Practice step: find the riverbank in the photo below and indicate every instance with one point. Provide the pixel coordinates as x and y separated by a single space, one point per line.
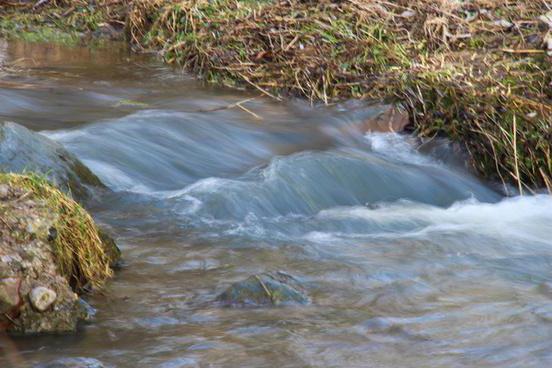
478 73
405 258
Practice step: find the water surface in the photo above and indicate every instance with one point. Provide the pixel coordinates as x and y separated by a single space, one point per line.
408 259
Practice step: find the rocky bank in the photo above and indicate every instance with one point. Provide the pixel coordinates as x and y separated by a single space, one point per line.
50 248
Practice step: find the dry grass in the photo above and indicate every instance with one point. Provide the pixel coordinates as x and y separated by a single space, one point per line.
77 247
476 71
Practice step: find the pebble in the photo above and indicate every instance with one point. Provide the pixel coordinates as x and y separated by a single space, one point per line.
4 191
408 13
41 298
503 23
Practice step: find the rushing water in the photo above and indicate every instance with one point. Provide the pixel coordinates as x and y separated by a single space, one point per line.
409 261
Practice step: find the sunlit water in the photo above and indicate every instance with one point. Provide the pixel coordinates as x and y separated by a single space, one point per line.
409 260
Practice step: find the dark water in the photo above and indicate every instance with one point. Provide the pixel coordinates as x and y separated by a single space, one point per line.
409 261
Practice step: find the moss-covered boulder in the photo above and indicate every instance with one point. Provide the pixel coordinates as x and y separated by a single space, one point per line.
50 250
267 289
22 150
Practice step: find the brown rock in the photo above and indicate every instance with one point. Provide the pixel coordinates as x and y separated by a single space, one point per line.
9 294
392 119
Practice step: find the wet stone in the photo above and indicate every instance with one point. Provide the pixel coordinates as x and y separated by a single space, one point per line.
87 311
22 150
267 289
79 362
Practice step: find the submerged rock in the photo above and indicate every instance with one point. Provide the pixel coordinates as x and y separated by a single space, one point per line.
79 362
391 118
88 311
22 150
267 289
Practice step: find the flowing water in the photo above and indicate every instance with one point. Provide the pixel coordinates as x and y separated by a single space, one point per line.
409 260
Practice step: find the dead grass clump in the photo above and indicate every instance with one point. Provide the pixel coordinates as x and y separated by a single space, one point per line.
499 109
77 246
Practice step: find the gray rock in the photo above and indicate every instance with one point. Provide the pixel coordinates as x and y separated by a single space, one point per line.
79 362
22 150
42 298
267 289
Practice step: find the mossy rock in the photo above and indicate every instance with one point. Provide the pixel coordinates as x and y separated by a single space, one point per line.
51 250
22 150
267 289
83 253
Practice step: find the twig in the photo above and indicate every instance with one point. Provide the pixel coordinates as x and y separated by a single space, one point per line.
40 3
229 106
249 111
265 288
6 223
259 88
24 195
516 156
523 51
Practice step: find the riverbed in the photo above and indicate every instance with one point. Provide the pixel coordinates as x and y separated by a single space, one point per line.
408 259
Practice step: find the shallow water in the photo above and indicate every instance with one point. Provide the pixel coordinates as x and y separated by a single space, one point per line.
409 260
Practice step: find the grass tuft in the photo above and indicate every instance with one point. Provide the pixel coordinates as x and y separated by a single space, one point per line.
78 248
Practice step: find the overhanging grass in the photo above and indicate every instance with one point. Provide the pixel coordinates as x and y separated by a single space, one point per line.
78 247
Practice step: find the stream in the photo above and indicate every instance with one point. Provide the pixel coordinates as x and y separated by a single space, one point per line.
409 260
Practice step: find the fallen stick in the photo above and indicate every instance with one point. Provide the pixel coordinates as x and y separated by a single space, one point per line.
523 51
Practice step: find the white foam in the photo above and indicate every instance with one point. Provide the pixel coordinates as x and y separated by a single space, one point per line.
398 147
528 217
64 135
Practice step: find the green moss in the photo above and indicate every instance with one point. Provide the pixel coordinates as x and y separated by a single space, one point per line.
57 24
26 28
